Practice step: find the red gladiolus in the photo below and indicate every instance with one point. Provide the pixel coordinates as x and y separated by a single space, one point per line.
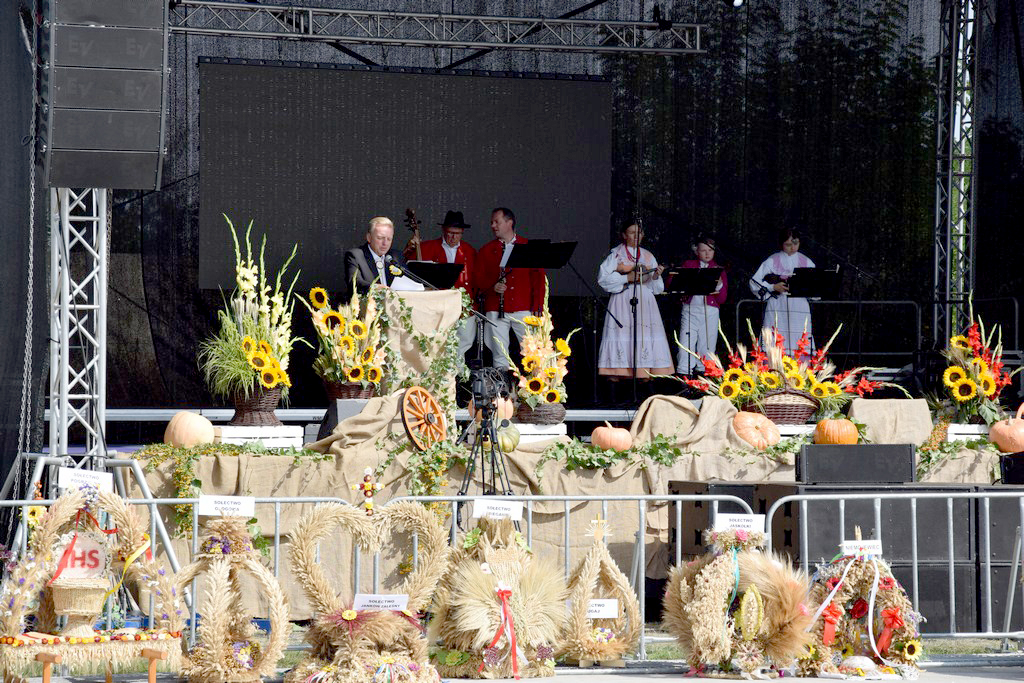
711 368
974 337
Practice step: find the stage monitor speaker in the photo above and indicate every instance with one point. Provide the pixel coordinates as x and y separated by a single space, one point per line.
856 464
103 93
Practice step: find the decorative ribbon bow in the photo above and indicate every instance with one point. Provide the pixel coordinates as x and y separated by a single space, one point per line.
892 619
832 614
504 593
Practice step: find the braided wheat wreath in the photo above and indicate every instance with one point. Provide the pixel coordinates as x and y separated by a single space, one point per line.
354 647
227 651
24 592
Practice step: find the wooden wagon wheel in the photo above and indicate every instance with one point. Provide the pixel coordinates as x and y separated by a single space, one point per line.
423 418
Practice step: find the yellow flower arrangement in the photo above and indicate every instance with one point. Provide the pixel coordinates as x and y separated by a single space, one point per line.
819 390
979 365
733 374
259 360
770 379
351 339
729 390
965 390
543 363
960 342
265 347
318 297
248 345
796 381
987 384
746 385
953 375
269 378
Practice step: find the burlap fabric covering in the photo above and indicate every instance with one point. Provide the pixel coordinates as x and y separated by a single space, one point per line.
714 451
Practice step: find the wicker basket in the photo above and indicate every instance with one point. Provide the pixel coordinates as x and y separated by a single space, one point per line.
786 406
258 409
336 390
543 414
81 601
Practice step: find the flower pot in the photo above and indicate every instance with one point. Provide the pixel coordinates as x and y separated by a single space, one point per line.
543 414
336 390
257 410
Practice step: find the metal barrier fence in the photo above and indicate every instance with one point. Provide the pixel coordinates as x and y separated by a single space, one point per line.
937 540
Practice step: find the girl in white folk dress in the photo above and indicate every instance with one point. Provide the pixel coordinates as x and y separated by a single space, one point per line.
624 266
790 316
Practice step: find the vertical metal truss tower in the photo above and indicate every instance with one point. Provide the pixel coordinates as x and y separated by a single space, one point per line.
960 28
78 317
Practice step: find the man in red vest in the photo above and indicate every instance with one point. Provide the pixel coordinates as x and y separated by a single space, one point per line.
451 249
510 294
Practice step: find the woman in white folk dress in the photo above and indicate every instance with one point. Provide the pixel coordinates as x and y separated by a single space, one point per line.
629 268
790 316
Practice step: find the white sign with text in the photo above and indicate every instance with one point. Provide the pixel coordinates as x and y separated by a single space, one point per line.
868 546
732 522
227 506
496 508
72 478
87 560
603 609
381 601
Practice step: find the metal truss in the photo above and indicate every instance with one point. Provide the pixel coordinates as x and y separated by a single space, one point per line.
78 317
434 30
955 160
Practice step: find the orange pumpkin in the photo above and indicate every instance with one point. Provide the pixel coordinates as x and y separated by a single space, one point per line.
840 431
504 409
614 438
186 430
756 429
1008 434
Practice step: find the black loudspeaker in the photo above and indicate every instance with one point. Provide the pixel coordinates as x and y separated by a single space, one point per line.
102 88
823 522
856 464
337 410
1004 516
696 515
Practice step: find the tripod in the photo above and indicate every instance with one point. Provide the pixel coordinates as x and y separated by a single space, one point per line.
485 452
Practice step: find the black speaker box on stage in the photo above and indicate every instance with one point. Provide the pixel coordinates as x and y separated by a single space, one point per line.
856 464
102 87
823 519
933 592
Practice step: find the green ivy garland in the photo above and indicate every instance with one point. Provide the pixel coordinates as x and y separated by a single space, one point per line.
660 450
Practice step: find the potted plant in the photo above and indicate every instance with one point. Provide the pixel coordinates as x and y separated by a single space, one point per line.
247 360
352 346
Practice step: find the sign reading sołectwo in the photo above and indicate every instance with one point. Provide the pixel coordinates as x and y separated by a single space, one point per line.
72 478
603 609
496 508
381 601
227 506
732 522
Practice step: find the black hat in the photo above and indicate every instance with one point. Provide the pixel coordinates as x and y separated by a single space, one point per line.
453 219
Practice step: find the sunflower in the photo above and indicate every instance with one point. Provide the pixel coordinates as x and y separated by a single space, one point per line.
953 375
979 365
848 650
354 373
960 342
819 390
746 384
987 384
259 360
795 381
553 396
530 363
550 373
729 390
269 378
318 297
348 344
334 321
965 390
733 375
789 365
248 345
366 356
912 649
266 348
535 385
357 328
562 347
33 514
374 374
532 321
832 388
770 379
284 378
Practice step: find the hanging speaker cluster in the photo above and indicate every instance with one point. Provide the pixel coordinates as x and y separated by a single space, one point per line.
102 89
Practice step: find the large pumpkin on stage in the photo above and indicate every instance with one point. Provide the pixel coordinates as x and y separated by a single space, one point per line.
186 430
1008 435
756 429
840 431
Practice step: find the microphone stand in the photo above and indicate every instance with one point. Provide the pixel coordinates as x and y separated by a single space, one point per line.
607 311
634 301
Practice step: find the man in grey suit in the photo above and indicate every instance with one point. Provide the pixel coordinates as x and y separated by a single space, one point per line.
370 262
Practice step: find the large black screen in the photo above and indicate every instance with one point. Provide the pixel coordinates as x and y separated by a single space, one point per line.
312 153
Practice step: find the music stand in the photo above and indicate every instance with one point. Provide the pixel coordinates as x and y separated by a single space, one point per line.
692 281
541 253
438 275
814 283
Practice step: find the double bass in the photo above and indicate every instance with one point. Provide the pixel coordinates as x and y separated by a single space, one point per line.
414 226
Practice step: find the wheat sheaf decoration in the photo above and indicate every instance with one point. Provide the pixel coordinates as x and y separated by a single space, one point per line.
227 649
499 611
364 646
604 640
737 610
37 586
